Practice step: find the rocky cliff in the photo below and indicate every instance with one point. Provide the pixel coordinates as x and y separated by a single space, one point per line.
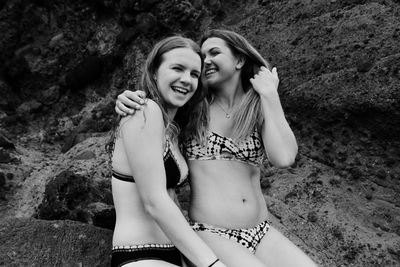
63 63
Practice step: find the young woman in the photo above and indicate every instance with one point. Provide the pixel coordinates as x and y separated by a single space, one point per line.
150 229
245 125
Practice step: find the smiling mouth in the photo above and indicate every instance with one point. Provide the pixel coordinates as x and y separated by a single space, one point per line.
210 71
180 90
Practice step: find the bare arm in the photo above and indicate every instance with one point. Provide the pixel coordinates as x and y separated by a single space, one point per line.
143 142
279 140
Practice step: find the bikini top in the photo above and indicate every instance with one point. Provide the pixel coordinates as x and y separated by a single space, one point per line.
218 147
176 169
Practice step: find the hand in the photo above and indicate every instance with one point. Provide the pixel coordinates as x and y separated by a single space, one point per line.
265 81
129 101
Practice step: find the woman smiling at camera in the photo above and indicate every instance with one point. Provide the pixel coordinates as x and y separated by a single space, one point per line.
147 165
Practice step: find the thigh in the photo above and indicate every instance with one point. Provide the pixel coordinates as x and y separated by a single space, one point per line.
275 250
149 263
230 252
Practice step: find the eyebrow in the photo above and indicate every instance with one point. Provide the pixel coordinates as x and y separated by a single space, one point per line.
214 48
183 66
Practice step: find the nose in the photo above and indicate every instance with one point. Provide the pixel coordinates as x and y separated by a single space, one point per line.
185 77
207 60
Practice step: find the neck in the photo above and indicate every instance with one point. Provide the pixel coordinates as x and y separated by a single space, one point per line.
229 92
171 112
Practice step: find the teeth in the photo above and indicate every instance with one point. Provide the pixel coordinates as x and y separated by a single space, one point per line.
180 90
210 71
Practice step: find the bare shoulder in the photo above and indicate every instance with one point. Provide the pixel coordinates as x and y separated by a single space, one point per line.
152 107
149 116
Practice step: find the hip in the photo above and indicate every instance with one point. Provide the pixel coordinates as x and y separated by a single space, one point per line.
135 232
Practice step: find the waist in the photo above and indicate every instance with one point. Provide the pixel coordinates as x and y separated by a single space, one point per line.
228 215
132 232
133 224
230 199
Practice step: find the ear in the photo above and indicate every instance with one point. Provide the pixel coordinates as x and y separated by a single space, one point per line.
241 60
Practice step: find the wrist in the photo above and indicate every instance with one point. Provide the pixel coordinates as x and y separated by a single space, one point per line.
270 101
270 95
213 263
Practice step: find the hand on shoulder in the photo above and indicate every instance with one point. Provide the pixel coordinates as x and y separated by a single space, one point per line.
129 101
150 115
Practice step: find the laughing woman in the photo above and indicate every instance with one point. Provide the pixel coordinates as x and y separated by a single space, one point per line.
150 229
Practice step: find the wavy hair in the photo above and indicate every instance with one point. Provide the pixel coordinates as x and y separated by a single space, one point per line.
248 114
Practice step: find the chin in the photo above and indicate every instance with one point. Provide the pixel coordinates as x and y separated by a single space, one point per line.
178 104
210 82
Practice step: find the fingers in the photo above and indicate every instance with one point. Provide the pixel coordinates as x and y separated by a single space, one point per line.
275 72
129 101
137 99
265 75
141 94
119 111
122 109
136 96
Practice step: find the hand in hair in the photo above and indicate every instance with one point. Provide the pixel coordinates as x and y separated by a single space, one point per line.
265 82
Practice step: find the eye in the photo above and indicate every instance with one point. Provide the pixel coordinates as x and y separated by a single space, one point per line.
177 68
214 52
195 75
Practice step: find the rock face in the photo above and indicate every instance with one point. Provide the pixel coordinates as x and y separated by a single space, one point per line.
31 242
63 63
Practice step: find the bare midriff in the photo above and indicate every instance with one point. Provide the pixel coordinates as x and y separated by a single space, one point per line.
134 226
226 194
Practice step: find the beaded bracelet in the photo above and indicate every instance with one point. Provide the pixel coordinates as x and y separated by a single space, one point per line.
217 260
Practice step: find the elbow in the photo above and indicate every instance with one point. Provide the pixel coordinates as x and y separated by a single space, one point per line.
155 204
152 206
285 161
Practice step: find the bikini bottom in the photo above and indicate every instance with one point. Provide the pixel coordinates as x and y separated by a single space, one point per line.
249 238
121 255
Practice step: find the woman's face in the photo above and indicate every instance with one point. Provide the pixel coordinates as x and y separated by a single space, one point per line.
219 62
178 76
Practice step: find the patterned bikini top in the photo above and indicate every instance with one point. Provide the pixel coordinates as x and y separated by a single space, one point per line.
176 169
217 147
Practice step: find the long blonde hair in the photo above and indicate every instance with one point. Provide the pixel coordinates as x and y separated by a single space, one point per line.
248 115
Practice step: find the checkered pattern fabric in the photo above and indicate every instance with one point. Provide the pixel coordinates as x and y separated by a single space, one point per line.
249 238
250 150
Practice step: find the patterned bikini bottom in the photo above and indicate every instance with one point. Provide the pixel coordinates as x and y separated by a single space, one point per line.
249 238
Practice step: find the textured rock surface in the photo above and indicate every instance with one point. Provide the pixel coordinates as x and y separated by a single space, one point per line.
31 242
63 63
